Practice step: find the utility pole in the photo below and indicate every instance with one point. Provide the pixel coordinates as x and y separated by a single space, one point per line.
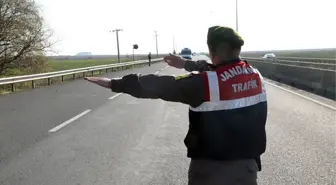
237 15
157 51
117 30
173 43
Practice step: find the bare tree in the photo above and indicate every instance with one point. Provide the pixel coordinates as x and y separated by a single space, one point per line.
22 35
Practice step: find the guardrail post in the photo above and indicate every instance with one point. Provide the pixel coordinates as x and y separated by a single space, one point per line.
83 74
13 87
62 78
49 81
92 73
33 84
322 84
73 76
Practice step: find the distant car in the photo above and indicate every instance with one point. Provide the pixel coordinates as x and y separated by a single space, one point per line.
268 56
186 53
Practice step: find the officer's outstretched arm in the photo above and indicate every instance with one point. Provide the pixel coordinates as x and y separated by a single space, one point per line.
186 89
200 66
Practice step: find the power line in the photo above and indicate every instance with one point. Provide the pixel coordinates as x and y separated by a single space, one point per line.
117 30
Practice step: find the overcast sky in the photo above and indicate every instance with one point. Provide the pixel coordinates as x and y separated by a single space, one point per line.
84 25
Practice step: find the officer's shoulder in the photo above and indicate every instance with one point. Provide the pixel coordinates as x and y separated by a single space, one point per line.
187 75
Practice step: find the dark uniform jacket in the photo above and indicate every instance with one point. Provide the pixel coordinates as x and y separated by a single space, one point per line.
214 133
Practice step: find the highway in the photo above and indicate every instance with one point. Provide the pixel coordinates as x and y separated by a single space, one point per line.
77 133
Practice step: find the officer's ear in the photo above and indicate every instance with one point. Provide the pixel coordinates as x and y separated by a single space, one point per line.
214 58
211 52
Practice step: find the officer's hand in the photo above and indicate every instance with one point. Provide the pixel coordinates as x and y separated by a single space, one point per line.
175 61
101 81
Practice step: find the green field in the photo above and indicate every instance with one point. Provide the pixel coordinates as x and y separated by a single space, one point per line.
59 65
329 53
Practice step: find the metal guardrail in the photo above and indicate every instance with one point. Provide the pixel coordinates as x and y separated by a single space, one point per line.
318 60
34 77
315 80
317 65
300 59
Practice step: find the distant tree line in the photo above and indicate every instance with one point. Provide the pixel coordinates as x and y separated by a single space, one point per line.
24 40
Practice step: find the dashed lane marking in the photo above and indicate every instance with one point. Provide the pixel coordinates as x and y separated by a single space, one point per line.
112 97
69 121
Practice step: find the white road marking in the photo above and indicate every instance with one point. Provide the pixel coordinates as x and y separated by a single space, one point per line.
161 69
141 141
69 121
305 97
112 97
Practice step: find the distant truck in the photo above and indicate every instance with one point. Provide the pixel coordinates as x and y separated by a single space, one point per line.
186 53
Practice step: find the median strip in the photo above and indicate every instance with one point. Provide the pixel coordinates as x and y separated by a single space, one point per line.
302 96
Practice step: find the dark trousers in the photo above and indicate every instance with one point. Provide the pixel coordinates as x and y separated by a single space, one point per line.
207 172
149 61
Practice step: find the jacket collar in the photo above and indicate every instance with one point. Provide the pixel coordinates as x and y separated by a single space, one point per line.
224 63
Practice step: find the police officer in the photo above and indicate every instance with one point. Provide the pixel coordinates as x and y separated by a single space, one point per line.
227 114
149 58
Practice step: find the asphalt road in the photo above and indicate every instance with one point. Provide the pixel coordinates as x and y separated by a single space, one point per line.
122 140
26 117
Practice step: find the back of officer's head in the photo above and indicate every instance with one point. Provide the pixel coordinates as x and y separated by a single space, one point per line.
224 44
